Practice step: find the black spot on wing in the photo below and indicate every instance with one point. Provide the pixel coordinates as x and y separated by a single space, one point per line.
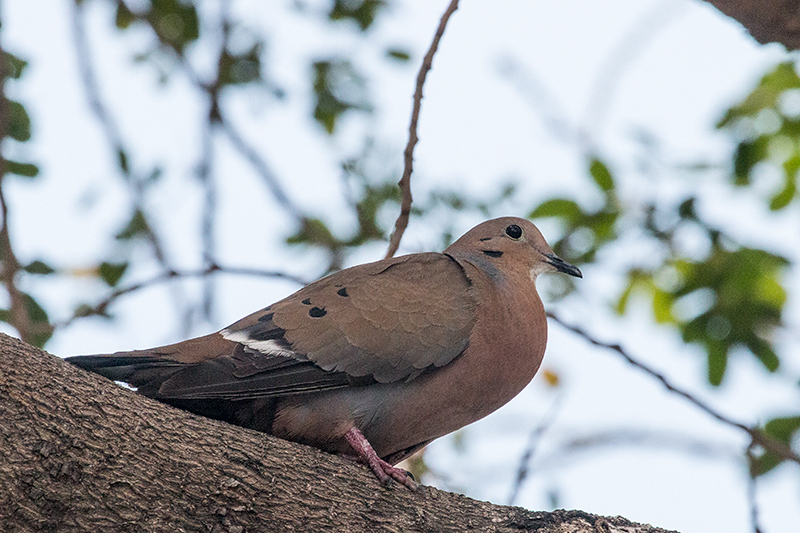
264 330
317 312
307 301
267 334
342 292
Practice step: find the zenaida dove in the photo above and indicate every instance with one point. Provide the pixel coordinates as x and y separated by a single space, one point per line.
374 361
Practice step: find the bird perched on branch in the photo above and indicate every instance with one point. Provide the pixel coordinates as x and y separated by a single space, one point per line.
374 361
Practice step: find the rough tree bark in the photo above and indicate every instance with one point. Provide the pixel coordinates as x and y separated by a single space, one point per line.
767 20
79 453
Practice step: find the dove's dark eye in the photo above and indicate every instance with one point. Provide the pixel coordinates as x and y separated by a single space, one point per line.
514 231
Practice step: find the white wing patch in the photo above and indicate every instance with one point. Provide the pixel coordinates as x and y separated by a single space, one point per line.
267 347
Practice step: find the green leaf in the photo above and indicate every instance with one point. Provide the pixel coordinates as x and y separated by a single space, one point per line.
125 17
175 23
717 362
122 161
764 352
398 54
602 176
135 227
764 463
38 267
27 170
111 273
35 311
786 195
313 231
362 12
19 123
87 310
746 156
783 429
662 307
622 303
765 95
39 322
687 210
569 210
748 300
337 88
14 65
240 69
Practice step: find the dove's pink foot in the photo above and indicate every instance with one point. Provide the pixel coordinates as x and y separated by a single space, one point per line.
383 470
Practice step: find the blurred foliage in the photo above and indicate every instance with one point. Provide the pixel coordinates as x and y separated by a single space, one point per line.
743 299
731 300
766 125
362 12
176 23
137 226
237 69
111 273
784 429
24 312
585 233
338 87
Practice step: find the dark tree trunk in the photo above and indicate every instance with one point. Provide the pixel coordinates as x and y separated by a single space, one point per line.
79 453
767 20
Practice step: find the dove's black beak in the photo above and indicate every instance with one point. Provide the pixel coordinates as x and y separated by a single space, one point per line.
562 266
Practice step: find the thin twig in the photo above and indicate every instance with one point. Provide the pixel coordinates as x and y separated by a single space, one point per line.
408 166
641 33
204 175
89 80
554 117
101 307
751 492
534 439
757 436
570 449
261 167
238 142
114 138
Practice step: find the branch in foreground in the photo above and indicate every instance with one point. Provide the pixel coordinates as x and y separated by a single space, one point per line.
757 436
82 454
408 162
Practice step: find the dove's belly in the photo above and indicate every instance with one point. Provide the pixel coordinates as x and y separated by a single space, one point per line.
401 415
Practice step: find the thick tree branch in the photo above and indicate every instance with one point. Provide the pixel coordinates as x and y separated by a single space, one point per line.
767 20
78 453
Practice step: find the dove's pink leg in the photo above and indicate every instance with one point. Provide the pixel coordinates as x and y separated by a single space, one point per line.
383 470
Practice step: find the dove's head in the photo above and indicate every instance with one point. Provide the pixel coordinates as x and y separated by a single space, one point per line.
509 244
